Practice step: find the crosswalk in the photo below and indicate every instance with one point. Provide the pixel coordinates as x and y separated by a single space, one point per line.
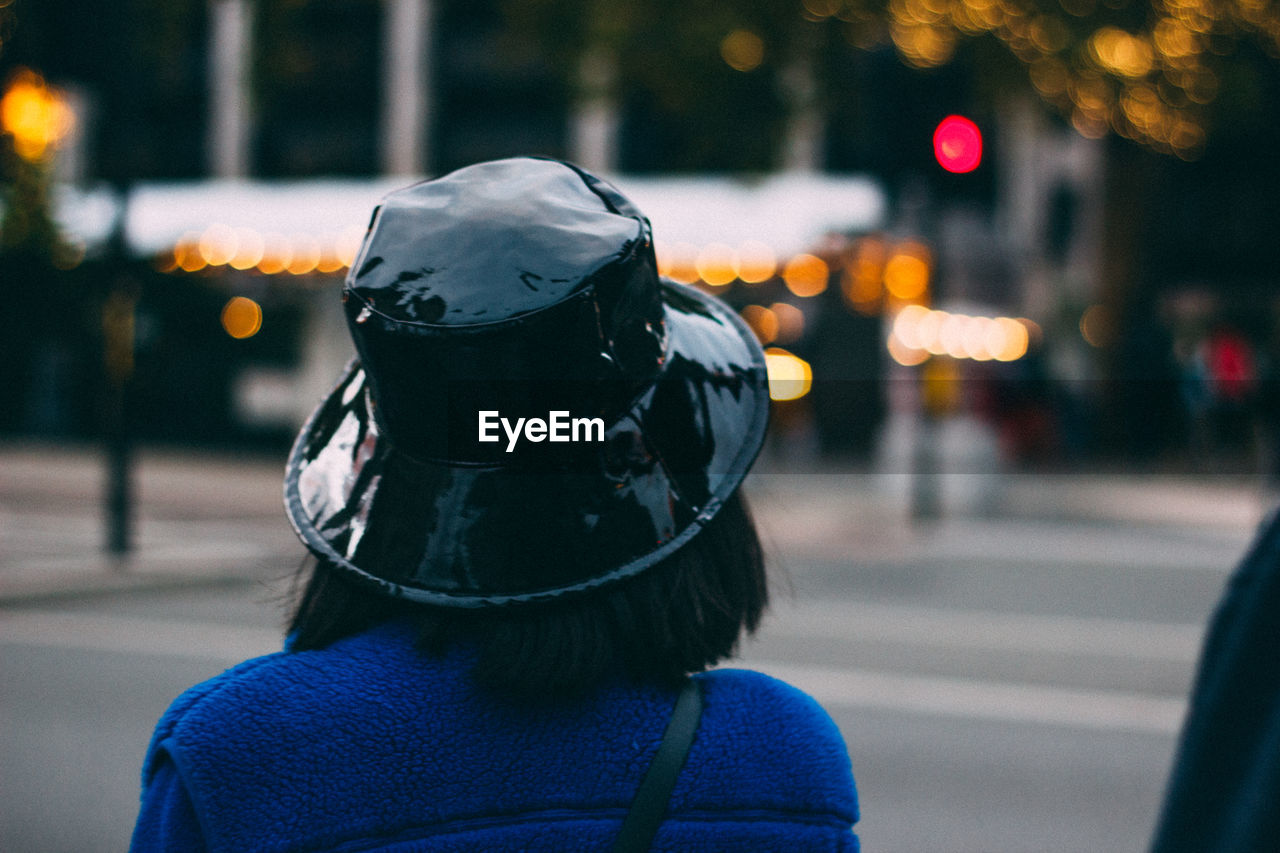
826 624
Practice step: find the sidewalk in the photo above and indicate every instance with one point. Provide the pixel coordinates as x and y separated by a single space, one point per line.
198 518
203 517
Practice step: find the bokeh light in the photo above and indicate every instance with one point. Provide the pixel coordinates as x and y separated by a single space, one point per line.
918 332
756 262
186 253
277 254
1096 326
249 248
678 261
905 355
742 50
906 274
717 264
806 275
330 259
790 322
906 326
763 322
1117 51
790 377
1015 339
957 144
241 317
218 244
37 115
862 280
305 255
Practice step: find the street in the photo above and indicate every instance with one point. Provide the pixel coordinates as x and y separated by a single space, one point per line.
1012 681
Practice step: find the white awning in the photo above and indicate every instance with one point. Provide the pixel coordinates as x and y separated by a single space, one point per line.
788 212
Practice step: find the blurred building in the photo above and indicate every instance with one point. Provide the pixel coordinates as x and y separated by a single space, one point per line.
1099 245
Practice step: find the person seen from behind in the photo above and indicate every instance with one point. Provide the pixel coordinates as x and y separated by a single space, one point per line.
529 548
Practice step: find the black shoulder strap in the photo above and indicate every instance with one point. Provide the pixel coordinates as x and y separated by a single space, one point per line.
647 809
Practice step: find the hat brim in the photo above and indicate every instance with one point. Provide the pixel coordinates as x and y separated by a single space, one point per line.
477 536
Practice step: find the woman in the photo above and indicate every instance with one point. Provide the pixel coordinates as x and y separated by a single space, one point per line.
523 503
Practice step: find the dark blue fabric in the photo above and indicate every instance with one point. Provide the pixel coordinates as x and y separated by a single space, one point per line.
372 745
1224 792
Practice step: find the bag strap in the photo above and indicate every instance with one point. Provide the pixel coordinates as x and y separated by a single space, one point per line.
650 803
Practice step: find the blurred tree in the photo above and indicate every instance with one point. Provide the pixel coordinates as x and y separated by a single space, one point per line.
140 67
686 76
1155 71
34 256
1186 93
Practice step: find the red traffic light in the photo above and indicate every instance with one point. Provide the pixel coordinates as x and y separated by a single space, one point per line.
957 144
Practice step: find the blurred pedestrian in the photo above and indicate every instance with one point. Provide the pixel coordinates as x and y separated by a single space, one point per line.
1224 792
523 501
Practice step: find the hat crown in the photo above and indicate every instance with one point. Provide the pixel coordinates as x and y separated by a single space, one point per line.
518 286
490 242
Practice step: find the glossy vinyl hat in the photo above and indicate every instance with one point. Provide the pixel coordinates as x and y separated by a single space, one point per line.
521 288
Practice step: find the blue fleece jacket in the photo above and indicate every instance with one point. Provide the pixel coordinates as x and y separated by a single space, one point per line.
372 745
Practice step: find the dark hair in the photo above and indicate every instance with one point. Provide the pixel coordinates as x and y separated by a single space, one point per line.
680 616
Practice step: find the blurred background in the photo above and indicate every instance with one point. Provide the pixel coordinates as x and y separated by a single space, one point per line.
1014 263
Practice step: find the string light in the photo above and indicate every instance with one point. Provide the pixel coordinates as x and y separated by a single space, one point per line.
918 332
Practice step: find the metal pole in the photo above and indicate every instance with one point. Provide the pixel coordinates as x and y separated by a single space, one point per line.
926 496
406 107
117 361
229 90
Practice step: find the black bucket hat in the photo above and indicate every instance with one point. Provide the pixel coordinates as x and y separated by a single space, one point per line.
532 412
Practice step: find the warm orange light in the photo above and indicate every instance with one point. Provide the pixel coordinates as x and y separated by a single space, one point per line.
304 254
1120 52
860 284
806 275
186 254
763 322
756 262
1015 340
330 258
249 248
906 326
716 264
218 244
276 254
35 114
951 335
906 276
241 317
790 377
905 355
918 332
678 262
974 338
790 322
1096 326
930 332
742 50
